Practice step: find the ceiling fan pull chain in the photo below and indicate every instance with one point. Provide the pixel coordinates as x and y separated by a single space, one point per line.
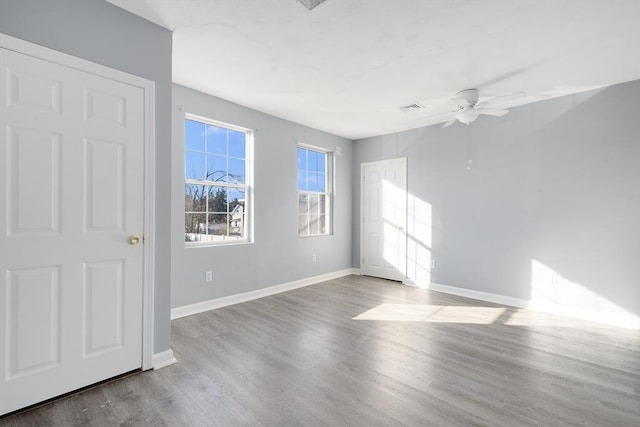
469 161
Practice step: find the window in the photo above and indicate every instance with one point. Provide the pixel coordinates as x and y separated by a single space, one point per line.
314 191
217 185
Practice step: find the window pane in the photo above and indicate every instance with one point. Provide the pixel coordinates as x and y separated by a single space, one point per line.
194 135
314 204
194 224
322 207
303 225
322 182
302 180
236 224
217 169
195 198
209 230
313 182
218 223
302 158
303 204
218 200
322 162
322 222
194 165
312 161
235 196
216 140
314 226
236 171
237 144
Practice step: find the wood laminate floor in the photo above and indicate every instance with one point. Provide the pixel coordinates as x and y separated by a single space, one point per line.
362 351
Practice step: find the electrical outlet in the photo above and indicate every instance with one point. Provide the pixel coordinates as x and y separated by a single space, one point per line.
433 264
314 258
208 276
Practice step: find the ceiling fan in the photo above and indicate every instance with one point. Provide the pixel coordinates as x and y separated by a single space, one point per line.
469 108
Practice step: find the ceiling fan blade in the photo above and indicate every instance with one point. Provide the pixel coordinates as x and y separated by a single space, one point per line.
451 121
497 112
438 117
502 99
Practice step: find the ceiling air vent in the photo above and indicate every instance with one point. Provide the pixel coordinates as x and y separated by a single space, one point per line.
412 107
310 4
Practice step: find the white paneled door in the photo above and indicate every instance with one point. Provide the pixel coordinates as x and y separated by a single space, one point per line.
383 247
71 191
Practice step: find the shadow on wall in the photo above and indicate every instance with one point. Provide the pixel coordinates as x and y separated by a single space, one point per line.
587 223
549 212
550 291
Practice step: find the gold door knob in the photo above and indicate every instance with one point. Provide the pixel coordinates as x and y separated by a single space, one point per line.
134 240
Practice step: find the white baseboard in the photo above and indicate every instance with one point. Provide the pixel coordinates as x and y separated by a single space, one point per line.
201 307
479 295
628 321
163 359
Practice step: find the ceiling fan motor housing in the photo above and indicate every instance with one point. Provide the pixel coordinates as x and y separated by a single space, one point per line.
470 95
468 108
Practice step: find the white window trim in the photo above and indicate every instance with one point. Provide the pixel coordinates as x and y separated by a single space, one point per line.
329 185
248 185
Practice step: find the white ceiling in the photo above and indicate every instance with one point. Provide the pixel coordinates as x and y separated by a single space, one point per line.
347 66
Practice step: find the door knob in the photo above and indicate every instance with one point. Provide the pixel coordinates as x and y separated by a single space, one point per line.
134 240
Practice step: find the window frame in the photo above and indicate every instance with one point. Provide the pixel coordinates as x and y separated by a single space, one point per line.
329 189
247 186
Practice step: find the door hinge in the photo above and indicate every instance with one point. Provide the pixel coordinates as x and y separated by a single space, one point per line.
363 178
363 260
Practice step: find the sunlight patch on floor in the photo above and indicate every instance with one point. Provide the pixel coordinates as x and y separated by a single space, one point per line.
474 315
432 313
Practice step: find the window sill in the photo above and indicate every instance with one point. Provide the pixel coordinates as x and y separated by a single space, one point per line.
191 245
315 235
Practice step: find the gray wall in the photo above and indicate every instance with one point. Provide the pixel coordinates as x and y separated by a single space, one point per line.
556 181
100 32
277 255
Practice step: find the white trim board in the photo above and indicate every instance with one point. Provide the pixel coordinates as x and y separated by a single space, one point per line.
200 307
163 359
622 321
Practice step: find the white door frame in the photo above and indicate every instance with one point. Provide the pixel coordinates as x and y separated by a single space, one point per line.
148 88
361 219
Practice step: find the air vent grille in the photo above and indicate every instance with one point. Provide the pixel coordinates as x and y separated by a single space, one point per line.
310 4
412 107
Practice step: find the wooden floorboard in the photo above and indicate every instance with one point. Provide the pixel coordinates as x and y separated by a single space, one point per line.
362 351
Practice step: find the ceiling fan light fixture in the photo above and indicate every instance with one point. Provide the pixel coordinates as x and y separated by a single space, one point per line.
467 115
310 4
469 108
